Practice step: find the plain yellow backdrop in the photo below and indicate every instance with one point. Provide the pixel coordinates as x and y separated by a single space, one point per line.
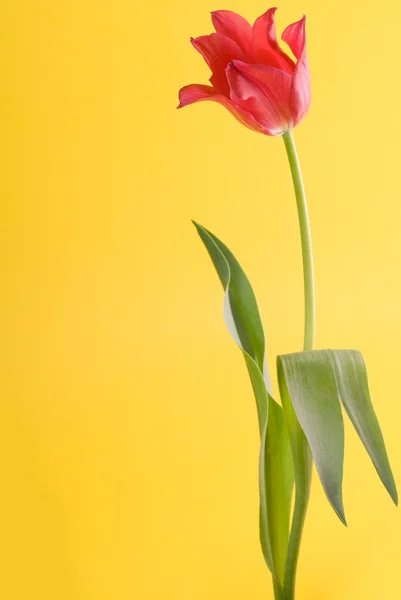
128 435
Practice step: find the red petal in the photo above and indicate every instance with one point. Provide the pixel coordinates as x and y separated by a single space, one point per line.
300 98
218 50
235 27
265 45
264 92
295 36
196 93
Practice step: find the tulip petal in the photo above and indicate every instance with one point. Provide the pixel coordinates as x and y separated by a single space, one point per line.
265 45
264 92
194 93
218 50
295 36
300 98
235 27
197 92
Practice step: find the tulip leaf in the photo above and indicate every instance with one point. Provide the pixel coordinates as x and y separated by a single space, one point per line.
315 383
352 381
276 476
301 452
275 464
309 379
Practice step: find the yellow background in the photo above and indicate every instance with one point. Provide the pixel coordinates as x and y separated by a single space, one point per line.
128 435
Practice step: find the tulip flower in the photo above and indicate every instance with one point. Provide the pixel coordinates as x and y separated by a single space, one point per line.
251 75
266 90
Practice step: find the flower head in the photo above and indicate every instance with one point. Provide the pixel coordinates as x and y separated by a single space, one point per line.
251 75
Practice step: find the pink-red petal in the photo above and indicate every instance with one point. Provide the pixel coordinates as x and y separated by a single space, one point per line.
194 93
197 93
295 36
235 27
218 50
266 48
264 92
300 97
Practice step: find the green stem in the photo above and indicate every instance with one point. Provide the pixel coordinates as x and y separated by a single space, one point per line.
303 473
303 467
306 241
278 591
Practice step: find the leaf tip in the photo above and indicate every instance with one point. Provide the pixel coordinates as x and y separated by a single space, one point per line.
201 230
390 485
339 510
341 515
337 504
393 494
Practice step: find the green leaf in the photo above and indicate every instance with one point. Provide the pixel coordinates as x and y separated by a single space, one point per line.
352 381
242 301
314 384
275 466
276 484
309 380
301 452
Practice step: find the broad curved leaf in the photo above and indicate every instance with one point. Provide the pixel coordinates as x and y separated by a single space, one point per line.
312 388
352 381
277 474
301 452
275 465
316 382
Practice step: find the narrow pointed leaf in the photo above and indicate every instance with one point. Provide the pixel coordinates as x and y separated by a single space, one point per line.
275 477
242 301
276 471
312 388
352 381
275 466
241 314
301 452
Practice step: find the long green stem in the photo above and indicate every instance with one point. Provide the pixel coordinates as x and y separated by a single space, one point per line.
306 241
303 473
303 468
278 591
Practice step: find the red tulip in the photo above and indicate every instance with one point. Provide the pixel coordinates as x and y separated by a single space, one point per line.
251 75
